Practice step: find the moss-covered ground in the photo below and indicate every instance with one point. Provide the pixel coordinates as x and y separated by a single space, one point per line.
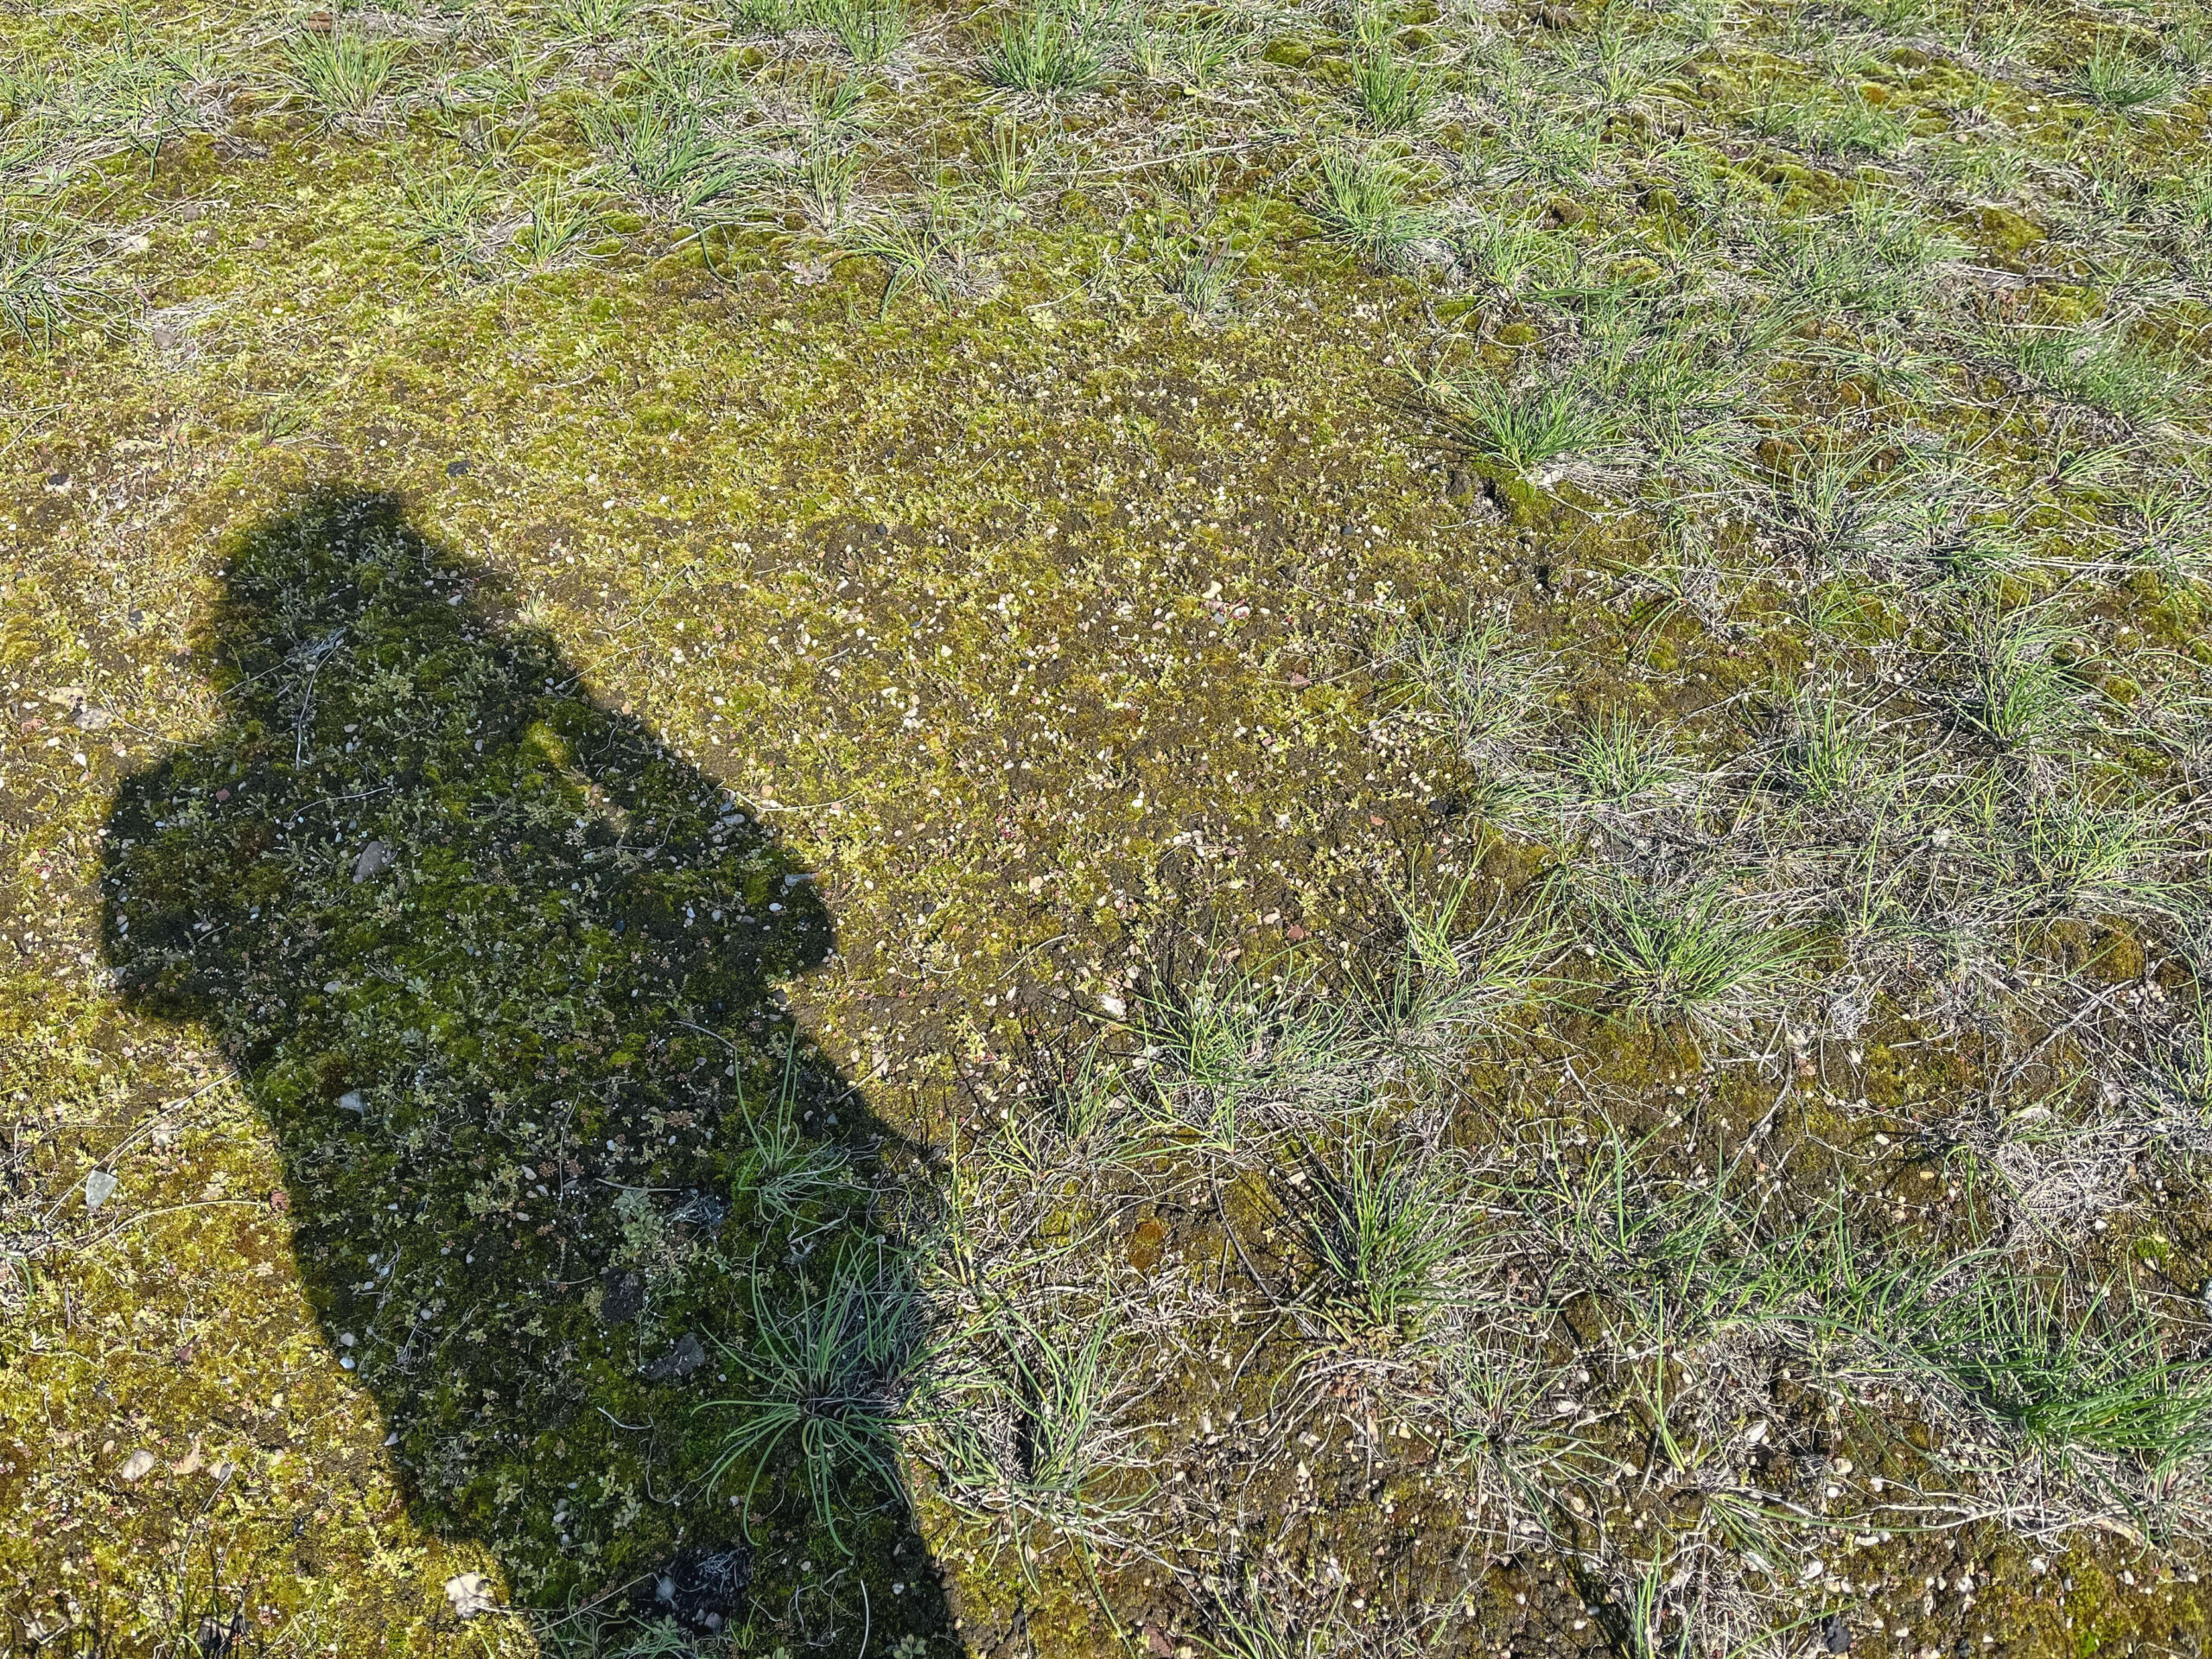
952 718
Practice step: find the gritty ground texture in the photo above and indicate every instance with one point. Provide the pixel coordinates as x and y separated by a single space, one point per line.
1117 829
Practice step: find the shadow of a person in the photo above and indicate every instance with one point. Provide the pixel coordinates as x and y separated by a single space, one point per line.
498 968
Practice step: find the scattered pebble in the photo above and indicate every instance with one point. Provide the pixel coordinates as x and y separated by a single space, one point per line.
470 1595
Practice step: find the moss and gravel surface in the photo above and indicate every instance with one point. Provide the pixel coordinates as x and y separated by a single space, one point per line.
1233 830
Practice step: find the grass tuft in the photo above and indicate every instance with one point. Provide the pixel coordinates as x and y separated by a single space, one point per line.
1526 424
1703 956
1391 95
827 1380
1047 48
2114 78
1383 1220
1366 204
345 73
44 284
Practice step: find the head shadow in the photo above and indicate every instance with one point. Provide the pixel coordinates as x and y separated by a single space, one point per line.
498 968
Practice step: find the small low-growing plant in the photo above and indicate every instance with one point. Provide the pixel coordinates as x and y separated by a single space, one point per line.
829 174
1458 979
2168 529
452 217
775 16
1487 683
1508 258
1194 50
1828 752
1030 1423
594 19
2018 691
1619 760
1526 424
784 1173
2103 366
1198 273
44 283
2075 857
869 30
912 249
666 153
1875 257
1010 165
555 223
1229 1047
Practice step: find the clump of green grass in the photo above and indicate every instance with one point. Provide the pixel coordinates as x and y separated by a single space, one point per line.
1856 128
1618 68
1047 48
1619 760
1452 983
1828 753
1526 424
2084 1382
1194 50
1875 259
784 1173
2169 530
2019 692
1489 686
2075 857
1366 204
2114 79
1508 258
1247 1620
827 1380
594 19
452 216
2102 365
345 73
836 108
44 283
870 30
1383 1218
830 175
1010 167
915 249
1701 956
1390 94
776 18
1200 274
2176 1068
1227 1048
665 150
1537 144
1027 1423
554 223
2081 1374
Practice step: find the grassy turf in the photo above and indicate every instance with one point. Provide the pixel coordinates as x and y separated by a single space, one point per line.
1104 829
